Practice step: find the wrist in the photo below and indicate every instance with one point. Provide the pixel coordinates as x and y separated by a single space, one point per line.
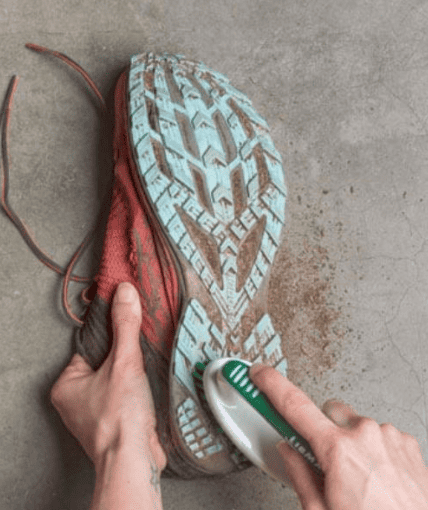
127 476
128 440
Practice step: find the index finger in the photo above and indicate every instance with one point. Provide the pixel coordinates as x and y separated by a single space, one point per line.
295 407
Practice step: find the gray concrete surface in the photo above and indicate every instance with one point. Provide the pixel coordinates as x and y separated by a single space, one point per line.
344 87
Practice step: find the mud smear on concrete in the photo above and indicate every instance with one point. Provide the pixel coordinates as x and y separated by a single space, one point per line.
298 302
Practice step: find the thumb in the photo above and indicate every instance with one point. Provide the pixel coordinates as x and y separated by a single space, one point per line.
307 484
126 318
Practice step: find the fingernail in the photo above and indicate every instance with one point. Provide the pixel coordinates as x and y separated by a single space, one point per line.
282 445
256 368
126 293
333 401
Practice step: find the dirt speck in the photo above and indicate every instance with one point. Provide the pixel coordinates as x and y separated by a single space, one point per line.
299 291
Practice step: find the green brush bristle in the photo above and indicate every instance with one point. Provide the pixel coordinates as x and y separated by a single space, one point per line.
198 376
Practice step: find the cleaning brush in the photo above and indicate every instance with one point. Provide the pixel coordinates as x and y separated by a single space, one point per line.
246 416
239 458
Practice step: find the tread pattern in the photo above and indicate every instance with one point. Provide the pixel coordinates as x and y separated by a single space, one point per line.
216 183
177 180
200 441
200 339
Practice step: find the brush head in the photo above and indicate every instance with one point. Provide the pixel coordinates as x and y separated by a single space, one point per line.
250 422
198 380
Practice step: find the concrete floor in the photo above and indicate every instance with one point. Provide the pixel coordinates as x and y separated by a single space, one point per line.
344 87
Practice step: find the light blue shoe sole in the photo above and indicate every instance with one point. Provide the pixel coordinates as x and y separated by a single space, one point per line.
215 183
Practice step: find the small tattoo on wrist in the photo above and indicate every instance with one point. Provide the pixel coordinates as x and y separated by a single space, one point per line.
155 480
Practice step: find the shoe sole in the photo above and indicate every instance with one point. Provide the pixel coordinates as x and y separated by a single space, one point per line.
215 184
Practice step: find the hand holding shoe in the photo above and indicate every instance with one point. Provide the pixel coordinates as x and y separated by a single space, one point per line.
111 412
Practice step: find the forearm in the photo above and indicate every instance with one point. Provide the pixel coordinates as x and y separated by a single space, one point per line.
127 479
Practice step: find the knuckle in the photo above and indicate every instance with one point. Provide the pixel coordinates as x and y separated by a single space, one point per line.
131 317
410 441
125 315
340 441
126 365
126 360
292 402
126 371
365 431
389 430
126 325
336 448
367 426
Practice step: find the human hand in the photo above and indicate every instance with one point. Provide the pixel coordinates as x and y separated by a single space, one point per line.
113 405
366 466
